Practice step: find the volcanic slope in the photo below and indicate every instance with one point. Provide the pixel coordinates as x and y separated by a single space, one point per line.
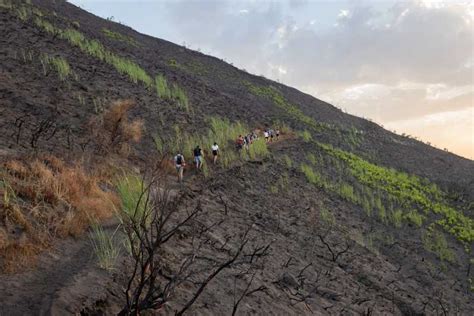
358 219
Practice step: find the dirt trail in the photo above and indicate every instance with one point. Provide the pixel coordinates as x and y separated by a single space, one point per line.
65 279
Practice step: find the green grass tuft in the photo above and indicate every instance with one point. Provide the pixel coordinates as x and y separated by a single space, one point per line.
120 37
104 247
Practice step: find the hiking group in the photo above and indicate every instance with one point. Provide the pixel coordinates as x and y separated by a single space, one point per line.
270 134
240 143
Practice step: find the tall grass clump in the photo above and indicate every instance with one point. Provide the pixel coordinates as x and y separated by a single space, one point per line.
119 37
435 242
104 246
305 136
61 66
125 66
311 176
178 94
162 88
6 4
132 193
408 190
22 13
288 161
258 149
45 25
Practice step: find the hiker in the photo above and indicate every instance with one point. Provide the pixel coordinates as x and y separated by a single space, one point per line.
180 163
266 136
254 136
277 134
198 157
239 142
271 132
215 152
247 142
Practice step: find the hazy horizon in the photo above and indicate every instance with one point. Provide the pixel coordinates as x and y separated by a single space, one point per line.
407 65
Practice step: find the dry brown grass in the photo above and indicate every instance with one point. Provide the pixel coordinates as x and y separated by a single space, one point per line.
114 131
43 199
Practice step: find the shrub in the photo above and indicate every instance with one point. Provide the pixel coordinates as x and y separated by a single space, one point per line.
113 131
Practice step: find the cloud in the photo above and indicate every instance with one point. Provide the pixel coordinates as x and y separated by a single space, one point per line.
416 43
343 14
454 136
399 64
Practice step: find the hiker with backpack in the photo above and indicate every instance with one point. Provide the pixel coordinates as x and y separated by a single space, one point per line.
247 142
180 164
215 152
198 157
239 142
277 134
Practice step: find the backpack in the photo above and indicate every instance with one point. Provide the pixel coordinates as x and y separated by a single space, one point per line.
197 152
179 160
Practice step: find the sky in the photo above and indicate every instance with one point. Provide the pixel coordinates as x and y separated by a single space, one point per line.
407 65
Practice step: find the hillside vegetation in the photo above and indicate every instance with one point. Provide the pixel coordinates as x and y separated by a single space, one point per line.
338 216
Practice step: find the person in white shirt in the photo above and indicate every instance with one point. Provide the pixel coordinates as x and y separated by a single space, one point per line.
266 136
215 152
